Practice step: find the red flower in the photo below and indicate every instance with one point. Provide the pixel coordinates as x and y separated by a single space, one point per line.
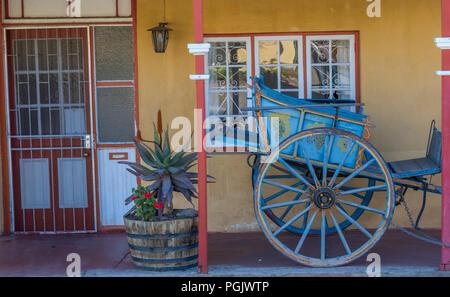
148 195
134 198
158 205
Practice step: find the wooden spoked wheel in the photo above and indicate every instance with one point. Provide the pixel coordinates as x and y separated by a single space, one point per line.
326 200
279 218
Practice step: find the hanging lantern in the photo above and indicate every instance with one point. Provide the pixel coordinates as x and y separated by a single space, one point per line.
160 36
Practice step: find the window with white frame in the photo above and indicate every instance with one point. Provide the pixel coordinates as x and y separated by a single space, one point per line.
229 66
327 71
280 62
331 67
229 69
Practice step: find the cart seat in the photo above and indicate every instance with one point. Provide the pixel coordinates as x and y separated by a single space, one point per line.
414 167
431 164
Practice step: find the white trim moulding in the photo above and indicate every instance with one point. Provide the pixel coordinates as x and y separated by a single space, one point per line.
198 49
443 43
68 20
199 76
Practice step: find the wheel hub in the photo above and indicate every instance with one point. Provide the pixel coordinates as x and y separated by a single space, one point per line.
324 198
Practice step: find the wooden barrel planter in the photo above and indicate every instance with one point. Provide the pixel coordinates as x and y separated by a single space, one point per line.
163 245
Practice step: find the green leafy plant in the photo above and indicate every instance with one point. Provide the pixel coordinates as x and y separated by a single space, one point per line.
167 170
145 204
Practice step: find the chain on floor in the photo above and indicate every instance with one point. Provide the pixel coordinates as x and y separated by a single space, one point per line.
423 236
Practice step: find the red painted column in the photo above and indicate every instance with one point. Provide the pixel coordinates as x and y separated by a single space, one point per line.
202 190
4 141
445 257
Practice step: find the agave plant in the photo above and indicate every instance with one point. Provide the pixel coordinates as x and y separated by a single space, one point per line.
167 170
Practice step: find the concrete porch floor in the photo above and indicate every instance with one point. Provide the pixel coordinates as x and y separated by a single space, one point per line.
242 254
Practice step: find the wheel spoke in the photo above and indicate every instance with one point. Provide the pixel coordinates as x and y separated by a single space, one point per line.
351 188
278 194
291 203
341 235
311 169
292 220
361 228
305 217
328 142
359 190
305 233
295 173
362 207
355 173
290 207
338 170
275 184
322 236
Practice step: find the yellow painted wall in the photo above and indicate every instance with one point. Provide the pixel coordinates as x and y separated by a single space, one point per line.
398 81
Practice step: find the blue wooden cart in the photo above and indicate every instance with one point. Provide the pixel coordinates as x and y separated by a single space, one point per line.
313 186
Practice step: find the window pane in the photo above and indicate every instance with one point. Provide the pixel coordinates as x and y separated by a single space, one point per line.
292 94
320 76
238 101
289 77
24 121
237 53
50 121
270 75
268 52
320 51
65 87
238 78
76 94
218 103
53 62
30 46
74 121
289 52
340 51
20 51
27 125
341 76
45 120
116 114
320 94
22 93
43 91
227 87
332 68
31 88
31 63
42 55
218 78
55 121
52 46
71 54
54 90
218 54
114 53
346 94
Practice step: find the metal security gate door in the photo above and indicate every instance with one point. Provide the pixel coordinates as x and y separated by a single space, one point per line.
49 118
